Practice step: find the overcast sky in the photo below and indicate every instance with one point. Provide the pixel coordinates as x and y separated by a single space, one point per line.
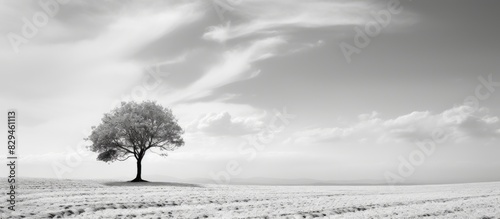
226 68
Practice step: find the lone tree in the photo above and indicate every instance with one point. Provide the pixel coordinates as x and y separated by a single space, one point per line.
133 129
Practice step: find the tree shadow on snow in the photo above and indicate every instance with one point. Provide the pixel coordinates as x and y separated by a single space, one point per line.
146 183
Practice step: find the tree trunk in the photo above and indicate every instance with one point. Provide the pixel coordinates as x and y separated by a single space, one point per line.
139 169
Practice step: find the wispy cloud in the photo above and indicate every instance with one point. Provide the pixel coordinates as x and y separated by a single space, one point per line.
223 124
271 17
234 65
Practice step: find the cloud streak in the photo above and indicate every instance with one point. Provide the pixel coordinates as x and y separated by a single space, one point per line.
223 124
234 65
259 17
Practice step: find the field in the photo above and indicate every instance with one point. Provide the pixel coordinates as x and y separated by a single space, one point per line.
43 198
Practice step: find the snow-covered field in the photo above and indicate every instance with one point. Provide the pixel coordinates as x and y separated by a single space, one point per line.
90 199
